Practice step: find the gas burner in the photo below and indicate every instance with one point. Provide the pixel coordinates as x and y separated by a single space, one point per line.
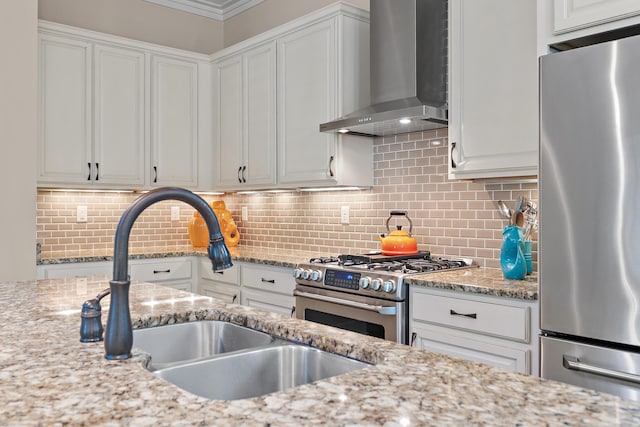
323 260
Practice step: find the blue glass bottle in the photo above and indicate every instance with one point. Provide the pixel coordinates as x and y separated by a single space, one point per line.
512 261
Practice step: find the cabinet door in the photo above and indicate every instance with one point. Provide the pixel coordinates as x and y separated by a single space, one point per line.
260 114
229 141
222 291
307 88
119 111
463 347
275 303
174 122
570 15
493 112
64 140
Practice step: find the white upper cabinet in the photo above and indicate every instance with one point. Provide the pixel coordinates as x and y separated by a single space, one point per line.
245 111
64 138
174 122
119 114
562 21
571 15
271 94
119 108
91 114
493 95
307 83
320 66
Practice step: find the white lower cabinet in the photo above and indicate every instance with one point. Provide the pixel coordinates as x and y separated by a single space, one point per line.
223 284
172 272
76 269
500 332
268 288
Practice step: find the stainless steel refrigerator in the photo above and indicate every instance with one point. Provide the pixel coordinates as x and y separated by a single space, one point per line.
590 217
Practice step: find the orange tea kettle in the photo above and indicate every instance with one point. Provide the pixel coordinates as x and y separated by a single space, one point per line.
398 242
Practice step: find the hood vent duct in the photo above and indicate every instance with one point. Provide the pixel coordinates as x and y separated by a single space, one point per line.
408 67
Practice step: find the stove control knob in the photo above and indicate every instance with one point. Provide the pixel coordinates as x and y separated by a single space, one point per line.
306 274
365 282
297 273
376 284
316 275
389 286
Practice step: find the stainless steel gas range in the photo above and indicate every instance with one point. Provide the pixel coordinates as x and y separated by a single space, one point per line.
364 293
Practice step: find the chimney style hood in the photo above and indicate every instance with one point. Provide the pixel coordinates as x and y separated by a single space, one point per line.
408 70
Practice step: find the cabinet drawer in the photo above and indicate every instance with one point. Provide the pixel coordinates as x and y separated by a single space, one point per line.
230 275
278 280
483 317
159 270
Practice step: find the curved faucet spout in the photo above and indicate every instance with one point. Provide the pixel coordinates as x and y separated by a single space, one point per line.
119 334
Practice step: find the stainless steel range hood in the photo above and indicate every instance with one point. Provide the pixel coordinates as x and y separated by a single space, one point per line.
408 70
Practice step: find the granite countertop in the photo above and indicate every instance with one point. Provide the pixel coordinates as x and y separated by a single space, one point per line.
50 378
486 281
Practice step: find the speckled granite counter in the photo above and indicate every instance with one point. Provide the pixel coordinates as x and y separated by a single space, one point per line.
269 256
49 378
488 281
477 280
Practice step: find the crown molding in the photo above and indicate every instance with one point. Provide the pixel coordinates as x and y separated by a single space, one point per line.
214 9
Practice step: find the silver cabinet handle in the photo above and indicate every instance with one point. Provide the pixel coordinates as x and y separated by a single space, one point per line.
89 176
97 171
244 169
573 363
168 270
331 159
219 272
239 178
155 174
388 311
263 280
234 299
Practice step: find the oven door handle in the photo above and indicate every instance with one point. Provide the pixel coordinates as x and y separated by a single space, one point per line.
387 311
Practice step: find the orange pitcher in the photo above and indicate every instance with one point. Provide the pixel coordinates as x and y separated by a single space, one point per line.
199 234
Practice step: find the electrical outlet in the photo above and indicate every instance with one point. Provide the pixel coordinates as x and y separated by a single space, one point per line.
245 213
344 215
81 214
175 213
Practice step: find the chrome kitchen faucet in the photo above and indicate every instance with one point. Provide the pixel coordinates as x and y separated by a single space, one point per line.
119 334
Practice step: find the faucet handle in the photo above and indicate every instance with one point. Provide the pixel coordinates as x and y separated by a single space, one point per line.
91 319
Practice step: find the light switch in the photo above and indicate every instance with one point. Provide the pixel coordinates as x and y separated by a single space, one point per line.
175 213
344 215
81 214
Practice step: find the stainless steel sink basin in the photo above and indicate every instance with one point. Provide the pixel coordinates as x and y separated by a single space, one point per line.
183 342
257 372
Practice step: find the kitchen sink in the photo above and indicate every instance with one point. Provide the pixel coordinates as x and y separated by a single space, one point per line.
224 361
257 372
184 342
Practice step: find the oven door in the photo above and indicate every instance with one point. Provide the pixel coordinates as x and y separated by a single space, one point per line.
369 316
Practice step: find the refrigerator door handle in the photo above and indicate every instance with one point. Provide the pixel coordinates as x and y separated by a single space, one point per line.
573 363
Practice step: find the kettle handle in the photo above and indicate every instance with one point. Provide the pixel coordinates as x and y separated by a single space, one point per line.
400 213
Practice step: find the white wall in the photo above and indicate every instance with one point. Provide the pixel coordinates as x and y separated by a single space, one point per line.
270 14
139 20
18 130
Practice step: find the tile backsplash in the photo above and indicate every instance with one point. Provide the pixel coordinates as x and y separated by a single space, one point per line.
410 173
